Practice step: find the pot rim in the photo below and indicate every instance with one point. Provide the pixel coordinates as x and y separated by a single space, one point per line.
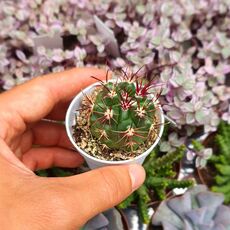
77 98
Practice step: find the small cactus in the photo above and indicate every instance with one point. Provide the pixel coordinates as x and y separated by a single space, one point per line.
197 209
123 113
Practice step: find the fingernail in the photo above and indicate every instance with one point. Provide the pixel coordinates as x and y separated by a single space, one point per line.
137 175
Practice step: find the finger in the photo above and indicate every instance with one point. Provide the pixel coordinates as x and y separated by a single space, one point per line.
102 189
50 134
33 100
58 113
43 133
43 158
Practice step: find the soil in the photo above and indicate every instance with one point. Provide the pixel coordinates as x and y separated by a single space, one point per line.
93 146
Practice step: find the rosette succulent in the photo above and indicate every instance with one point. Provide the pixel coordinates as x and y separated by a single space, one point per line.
197 209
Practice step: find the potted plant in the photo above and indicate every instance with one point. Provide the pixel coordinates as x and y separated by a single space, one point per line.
116 121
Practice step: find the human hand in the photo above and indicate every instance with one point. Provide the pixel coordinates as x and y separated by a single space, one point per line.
31 202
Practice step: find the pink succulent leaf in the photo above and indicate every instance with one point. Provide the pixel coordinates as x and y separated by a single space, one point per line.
207 153
174 83
190 118
175 56
177 102
189 84
226 69
200 88
168 43
198 105
175 141
175 114
201 116
190 155
167 107
119 62
69 54
79 53
57 58
221 38
226 52
179 79
183 94
226 117
200 162
155 41
21 56
215 120
188 107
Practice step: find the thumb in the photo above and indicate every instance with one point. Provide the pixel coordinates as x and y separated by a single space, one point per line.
103 188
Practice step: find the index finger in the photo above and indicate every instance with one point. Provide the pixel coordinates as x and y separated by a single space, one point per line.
33 100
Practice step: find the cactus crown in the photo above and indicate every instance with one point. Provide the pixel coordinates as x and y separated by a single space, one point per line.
123 112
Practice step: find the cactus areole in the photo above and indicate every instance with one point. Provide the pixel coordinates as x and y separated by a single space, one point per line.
122 113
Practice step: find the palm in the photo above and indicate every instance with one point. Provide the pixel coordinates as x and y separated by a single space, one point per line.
27 142
40 143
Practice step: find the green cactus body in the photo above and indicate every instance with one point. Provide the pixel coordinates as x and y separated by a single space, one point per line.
122 115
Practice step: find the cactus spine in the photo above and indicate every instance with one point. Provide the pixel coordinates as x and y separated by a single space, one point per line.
123 113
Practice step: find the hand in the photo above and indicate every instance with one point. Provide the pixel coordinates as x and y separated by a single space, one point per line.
31 202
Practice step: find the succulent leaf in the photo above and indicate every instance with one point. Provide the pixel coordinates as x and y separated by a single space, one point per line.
168 226
223 216
196 216
208 215
163 214
210 199
180 205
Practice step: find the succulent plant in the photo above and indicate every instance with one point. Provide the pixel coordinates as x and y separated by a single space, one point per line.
123 114
199 153
160 179
221 161
197 209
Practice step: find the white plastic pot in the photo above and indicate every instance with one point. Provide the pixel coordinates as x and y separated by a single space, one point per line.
94 162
